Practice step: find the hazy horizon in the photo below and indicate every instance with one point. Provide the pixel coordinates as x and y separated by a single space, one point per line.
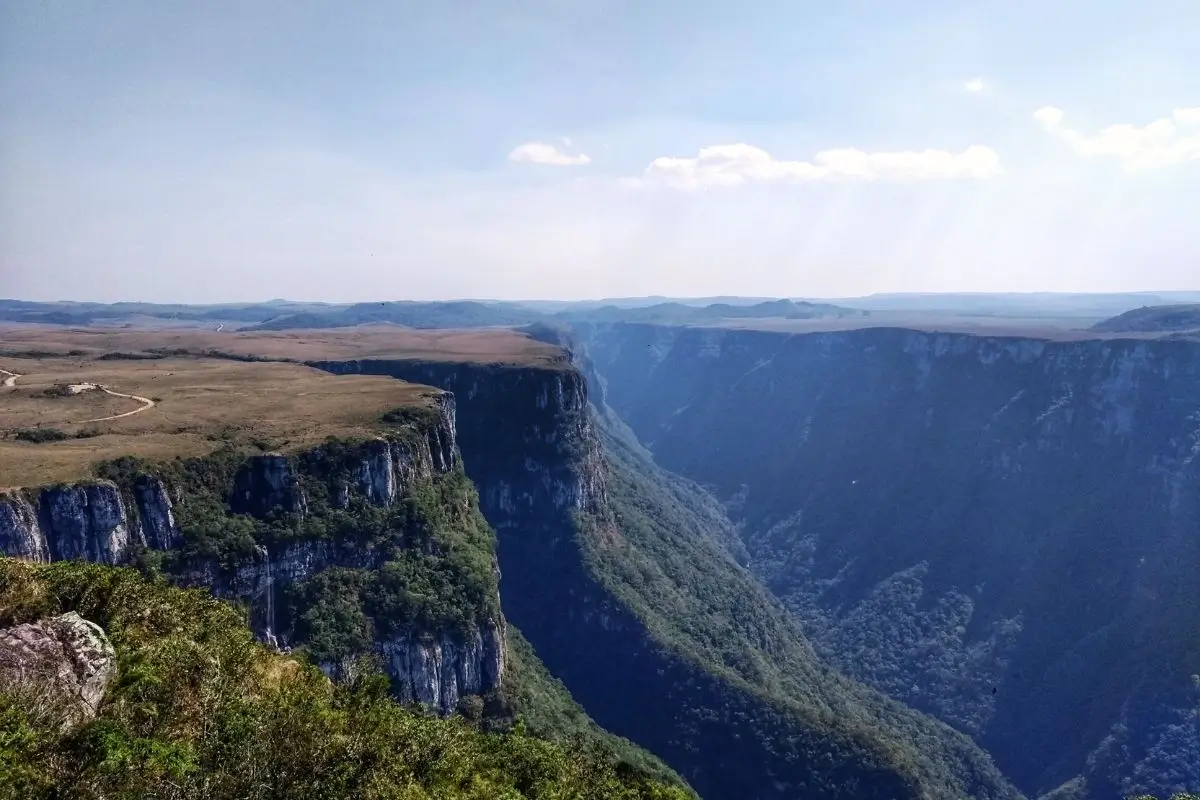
584 151
1182 295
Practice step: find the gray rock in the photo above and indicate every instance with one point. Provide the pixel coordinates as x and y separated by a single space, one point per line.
437 671
376 473
20 534
87 521
64 663
155 512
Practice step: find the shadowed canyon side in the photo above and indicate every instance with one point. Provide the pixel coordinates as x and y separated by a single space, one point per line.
1001 531
624 588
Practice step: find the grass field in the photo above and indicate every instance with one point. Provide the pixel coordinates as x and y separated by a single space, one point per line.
376 341
199 404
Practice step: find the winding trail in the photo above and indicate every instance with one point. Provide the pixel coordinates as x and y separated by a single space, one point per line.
145 401
11 380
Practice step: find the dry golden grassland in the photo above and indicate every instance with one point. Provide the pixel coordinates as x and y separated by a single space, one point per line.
199 403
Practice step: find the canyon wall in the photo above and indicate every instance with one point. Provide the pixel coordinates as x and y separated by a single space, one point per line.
1001 531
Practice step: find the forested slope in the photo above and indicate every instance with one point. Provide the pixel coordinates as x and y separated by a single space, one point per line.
200 710
1000 531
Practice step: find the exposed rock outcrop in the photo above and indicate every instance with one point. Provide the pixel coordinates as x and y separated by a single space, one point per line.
376 475
85 520
92 521
549 408
530 445
439 671
20 534
155 513
62 666
265 483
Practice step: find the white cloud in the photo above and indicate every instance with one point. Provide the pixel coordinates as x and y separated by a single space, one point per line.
974 85
542 153
1165 141
733 164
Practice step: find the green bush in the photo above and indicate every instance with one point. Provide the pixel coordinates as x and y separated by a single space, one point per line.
199 710
40 435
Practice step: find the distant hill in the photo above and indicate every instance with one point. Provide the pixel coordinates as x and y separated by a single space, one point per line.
551 306
411 314
674 313
280 315
1180 317
1019 304
71 313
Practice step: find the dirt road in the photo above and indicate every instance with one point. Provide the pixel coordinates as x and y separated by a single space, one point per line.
145 401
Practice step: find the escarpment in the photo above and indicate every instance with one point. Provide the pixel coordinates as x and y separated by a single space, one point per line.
652 625
320 545
87 520
1001 531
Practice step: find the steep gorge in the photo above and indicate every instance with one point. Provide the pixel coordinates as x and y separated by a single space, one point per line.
1003 532
619 575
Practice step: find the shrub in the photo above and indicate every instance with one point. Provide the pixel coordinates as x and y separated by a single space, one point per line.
40 435
202 711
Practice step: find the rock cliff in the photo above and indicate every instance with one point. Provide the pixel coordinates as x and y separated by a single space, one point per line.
84 520
999 530
20 534
584 593
298 516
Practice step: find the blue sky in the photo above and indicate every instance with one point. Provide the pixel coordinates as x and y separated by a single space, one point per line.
215 151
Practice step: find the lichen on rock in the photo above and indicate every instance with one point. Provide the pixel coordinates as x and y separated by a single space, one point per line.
61 665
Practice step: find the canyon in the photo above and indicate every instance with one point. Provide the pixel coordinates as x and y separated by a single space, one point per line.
851 563
1002 531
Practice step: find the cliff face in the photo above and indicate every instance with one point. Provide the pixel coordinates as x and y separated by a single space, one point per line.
531 446
20 534
265 483
85 520
1001 531
103 522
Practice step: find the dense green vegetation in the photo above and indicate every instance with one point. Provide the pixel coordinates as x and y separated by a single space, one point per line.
667 641
199 710
670 569
544 706
40 435
973 525
425 562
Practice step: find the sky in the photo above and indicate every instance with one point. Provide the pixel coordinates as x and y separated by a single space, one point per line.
176 151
